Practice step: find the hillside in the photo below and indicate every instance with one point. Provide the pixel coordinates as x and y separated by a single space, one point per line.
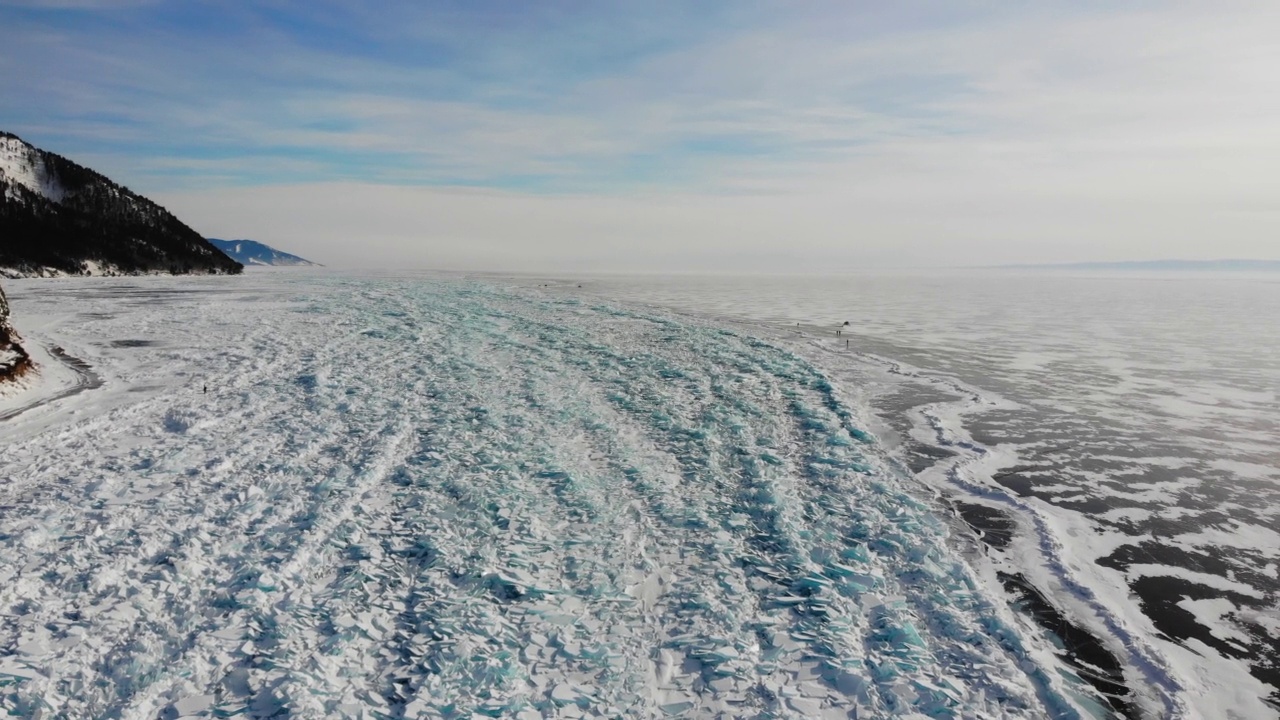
250 252
58 217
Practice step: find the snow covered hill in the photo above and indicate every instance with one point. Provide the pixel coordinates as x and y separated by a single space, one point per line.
250 252
59 218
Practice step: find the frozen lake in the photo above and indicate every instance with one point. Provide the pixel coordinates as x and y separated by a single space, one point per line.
440 497
1117 437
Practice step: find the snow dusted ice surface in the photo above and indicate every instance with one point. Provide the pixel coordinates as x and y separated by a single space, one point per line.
432 497
1116 439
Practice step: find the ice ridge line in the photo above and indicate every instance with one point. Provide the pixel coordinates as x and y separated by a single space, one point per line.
1141 657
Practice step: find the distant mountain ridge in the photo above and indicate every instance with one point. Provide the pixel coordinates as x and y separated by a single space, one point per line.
250 252
60 218
1223 265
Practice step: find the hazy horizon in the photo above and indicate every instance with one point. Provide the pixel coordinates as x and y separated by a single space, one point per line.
705 137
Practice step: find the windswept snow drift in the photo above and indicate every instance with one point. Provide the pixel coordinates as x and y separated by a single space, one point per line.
436 498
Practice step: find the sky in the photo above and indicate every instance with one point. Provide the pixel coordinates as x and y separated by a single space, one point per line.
699 136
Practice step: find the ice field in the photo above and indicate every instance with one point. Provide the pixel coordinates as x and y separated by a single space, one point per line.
441 498
1115 439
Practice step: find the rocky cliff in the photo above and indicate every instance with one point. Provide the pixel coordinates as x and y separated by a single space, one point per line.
14 361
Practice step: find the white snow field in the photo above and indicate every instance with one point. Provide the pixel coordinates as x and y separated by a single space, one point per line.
429 497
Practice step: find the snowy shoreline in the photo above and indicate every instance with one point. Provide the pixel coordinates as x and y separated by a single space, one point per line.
35 390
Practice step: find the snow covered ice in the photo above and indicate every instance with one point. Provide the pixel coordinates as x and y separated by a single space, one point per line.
441 498
1114 439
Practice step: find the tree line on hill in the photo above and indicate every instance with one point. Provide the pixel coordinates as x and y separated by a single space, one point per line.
94 221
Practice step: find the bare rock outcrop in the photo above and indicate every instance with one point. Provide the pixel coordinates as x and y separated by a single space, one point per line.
14 360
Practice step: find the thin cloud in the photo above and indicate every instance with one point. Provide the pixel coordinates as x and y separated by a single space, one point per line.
78 4
1070 127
